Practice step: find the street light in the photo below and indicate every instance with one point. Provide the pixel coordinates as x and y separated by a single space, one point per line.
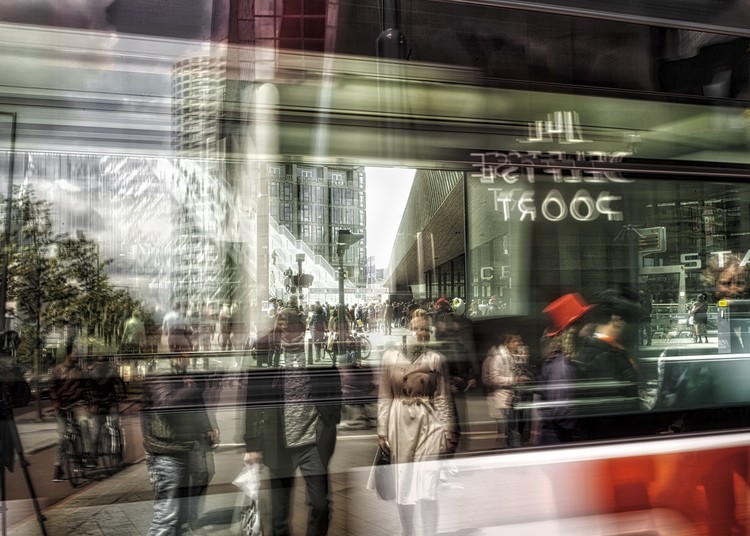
344 239
8 214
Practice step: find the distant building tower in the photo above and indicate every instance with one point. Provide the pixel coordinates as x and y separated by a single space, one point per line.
313 202
198 87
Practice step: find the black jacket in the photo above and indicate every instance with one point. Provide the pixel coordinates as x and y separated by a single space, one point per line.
173 413
264 420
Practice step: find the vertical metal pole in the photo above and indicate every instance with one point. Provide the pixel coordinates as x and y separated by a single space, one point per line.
8 215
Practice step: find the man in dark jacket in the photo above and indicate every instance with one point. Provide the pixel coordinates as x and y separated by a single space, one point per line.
70 392
605 361
291 421
175 429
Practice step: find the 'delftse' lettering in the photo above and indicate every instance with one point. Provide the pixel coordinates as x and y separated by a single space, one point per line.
584 167
554 207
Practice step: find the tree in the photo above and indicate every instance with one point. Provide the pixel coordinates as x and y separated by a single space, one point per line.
59 280
36 282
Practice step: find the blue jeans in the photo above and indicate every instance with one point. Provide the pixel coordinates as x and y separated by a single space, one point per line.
82 416
168 475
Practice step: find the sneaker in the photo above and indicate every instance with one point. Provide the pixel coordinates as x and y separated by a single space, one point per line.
58 476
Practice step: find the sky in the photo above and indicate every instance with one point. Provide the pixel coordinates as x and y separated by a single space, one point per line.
387 192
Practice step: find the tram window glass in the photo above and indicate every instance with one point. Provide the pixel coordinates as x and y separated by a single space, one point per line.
668 235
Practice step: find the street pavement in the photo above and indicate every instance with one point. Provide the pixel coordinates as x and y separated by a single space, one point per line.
122 504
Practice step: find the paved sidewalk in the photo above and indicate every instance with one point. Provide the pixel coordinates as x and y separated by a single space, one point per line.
122 504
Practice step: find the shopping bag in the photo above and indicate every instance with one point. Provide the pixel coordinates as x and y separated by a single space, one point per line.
382 476
249 482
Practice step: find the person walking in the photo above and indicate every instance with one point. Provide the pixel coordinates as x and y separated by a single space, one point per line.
175 427
290 424
70 393
107 388
318 331
416 423
559 371
388 317
499 378
699 314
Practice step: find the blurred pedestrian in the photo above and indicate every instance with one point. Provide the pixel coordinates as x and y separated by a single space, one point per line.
291 424
177 330
107 389
699 314
133 335
559 371
499 378
318 332
416 423
176 429
610 369
70 393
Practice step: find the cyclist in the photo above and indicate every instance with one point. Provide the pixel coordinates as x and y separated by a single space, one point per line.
70 394
107 388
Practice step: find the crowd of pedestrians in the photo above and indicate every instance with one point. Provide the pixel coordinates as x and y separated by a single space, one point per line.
423 390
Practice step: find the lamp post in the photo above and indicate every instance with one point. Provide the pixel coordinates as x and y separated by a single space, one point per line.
8 214
344 239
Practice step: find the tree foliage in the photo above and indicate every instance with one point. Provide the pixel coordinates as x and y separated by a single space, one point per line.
59 281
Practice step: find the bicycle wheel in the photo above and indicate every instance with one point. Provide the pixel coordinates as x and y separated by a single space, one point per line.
73 461
110 448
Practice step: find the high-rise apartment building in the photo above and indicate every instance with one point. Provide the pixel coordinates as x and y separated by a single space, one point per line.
198 273
314 202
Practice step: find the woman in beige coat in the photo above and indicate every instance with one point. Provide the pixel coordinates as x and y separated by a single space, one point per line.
416 423
498 377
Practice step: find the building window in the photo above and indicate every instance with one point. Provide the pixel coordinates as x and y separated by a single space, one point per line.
286 211
308 174
337 178
305 213
276 171
286 193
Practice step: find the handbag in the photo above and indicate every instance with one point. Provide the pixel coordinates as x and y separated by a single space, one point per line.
383 472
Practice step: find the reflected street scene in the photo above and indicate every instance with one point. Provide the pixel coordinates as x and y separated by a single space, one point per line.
314 267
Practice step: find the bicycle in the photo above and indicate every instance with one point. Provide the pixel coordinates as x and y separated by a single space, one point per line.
111 445
75 466
356 347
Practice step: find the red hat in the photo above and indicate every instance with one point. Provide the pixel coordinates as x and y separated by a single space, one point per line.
441 302
565 310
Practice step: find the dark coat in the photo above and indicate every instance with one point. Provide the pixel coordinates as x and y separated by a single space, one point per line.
264 417
173 413
616 412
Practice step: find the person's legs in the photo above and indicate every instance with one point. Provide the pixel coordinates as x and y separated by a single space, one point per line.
501 441
97 421
281 490
86 424
429 514
200 476
406 516
166 474
315 474
62 425
514 428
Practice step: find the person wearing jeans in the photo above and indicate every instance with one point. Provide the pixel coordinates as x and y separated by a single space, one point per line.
175 425
71 395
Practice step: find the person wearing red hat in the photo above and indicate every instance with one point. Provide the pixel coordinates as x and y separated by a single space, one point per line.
559 423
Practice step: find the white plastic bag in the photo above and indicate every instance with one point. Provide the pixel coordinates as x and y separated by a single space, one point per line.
250 518
249 480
